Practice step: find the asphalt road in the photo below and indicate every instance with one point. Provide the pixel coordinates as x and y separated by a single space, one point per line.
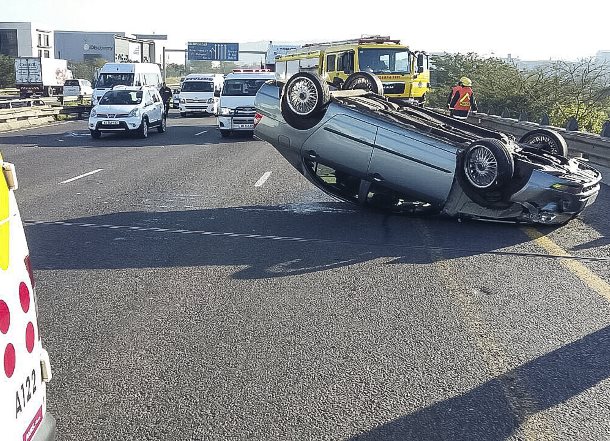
197 288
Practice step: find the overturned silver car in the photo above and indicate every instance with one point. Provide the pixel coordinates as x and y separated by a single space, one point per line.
357 146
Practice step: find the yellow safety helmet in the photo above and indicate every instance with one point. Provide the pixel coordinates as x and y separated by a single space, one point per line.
466 81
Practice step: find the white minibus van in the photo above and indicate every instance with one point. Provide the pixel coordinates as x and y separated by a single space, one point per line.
199 93
126 74
236 106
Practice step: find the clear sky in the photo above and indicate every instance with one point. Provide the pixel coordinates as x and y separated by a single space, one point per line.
527 29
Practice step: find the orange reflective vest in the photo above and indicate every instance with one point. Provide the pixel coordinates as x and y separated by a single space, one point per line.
464 94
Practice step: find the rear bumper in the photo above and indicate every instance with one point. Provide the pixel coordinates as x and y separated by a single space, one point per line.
47 430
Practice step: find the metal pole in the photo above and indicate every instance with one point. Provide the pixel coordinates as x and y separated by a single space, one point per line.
164 67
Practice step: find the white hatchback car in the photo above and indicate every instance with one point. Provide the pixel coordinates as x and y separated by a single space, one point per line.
129 110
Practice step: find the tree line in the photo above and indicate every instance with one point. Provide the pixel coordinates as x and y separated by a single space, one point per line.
557 89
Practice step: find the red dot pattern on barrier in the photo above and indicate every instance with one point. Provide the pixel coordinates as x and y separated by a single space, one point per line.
29 337
9 360
5 317
24 297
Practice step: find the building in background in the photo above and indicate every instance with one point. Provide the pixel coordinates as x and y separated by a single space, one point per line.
80 46
25 39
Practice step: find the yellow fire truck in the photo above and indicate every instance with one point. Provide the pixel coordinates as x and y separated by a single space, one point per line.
405 74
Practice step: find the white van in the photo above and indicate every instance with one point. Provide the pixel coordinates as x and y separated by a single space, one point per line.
126 74
78 87
199 93
26 368
236 112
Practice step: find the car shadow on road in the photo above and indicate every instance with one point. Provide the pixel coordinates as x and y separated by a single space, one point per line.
496 409
267 241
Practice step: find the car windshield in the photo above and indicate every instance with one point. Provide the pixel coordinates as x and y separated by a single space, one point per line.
109 80
197 86
384 61
122 97
243 87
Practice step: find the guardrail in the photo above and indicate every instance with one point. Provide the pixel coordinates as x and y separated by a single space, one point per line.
595 148
16 114
9 91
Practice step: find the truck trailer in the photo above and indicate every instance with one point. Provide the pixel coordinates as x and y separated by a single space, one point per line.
40 76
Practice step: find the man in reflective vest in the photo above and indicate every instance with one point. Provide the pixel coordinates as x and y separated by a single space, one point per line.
461 99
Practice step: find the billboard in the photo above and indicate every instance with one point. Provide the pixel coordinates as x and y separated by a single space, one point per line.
205 51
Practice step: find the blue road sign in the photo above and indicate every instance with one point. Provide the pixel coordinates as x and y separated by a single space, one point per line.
204 51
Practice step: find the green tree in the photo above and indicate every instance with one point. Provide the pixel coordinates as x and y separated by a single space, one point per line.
86 70
560 90
7 71
582 91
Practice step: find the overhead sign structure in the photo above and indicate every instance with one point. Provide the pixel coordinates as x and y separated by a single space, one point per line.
204 51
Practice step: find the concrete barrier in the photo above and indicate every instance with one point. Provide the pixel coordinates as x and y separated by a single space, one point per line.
18 114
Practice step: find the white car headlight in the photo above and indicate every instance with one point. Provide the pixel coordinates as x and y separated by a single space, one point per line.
226 111
135 112
93 113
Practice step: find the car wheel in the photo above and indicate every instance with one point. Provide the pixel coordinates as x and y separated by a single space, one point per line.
305 94
304 99
225 133
487 164
95 134
546 140
163 126
143 131
364 80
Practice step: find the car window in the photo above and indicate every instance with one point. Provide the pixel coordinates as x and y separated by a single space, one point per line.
122 97
155 96
330 63
149 100
197 86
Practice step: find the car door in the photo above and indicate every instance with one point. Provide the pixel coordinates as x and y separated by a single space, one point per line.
344 142
150 108
413 163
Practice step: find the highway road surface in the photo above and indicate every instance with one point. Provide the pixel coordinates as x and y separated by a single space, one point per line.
197 288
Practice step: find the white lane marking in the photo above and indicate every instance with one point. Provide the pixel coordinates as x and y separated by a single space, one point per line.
81 176
201 133
263 179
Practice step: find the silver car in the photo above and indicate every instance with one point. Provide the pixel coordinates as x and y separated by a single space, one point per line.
357 146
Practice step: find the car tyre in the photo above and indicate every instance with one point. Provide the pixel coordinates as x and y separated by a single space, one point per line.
163 125
304 99
143 130
487 165
364 80
95 134
546 140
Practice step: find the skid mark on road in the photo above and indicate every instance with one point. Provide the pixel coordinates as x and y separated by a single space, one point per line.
590 279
